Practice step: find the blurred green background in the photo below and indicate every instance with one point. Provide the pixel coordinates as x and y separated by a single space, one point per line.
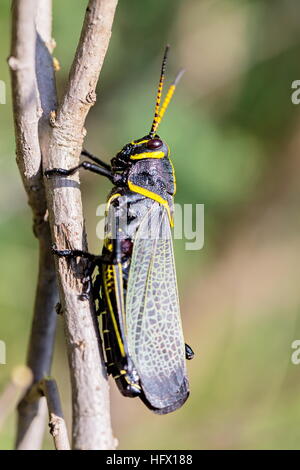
235 139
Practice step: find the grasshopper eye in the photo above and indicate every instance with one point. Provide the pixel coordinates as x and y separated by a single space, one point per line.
154 144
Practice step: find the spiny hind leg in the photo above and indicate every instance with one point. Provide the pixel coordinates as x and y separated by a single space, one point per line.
98 295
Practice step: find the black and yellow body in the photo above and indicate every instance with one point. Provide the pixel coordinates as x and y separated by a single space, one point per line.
117 358
135 289
145 180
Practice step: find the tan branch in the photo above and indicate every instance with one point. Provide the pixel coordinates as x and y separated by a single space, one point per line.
21 379
91 427
47 388
57 424
28 109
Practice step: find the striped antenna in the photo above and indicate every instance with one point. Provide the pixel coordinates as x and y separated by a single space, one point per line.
159 92
168 97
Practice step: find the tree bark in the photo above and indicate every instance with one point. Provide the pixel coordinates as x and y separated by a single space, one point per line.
55 136
91 427
28 109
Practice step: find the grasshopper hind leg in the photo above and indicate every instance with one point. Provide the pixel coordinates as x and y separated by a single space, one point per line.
98 295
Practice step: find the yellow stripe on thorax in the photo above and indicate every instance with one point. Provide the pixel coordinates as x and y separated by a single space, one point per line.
154 196
139 143
139 156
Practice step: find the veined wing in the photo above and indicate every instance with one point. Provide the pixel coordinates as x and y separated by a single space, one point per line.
154 331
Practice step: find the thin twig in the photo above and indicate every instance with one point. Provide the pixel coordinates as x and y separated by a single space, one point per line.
47 388
28 109
57 425
91 427
21 378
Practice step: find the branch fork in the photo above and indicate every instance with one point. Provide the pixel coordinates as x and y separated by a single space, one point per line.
48 136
